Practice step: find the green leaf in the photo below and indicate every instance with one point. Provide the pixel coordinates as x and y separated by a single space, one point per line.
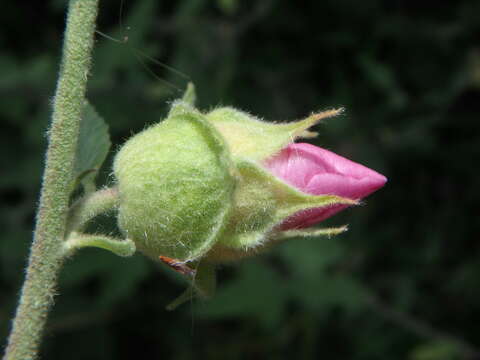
92 148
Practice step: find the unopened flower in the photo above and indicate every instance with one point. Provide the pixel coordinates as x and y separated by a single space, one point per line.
317 171
202 188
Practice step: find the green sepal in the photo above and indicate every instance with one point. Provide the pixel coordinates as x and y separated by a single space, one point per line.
304 233
252 138
120 247
181 219
181 107
224 254
203 286
262 202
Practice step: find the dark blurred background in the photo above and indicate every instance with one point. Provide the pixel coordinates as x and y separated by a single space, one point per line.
403 283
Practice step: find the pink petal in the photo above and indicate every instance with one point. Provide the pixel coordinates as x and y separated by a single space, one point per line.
320 172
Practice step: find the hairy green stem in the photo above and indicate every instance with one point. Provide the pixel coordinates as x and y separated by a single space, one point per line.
91 205
46 255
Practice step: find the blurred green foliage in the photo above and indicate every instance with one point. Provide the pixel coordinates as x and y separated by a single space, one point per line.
401 284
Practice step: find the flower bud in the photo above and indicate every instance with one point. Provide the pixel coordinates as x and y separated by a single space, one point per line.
283 186
215 187
175 186
317 171
224 185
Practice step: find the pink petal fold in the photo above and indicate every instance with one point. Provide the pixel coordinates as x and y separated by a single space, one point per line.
317 171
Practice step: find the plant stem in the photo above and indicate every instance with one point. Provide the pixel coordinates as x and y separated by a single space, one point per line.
46 255
91 205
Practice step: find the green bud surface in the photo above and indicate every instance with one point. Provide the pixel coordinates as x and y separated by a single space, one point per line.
175 185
